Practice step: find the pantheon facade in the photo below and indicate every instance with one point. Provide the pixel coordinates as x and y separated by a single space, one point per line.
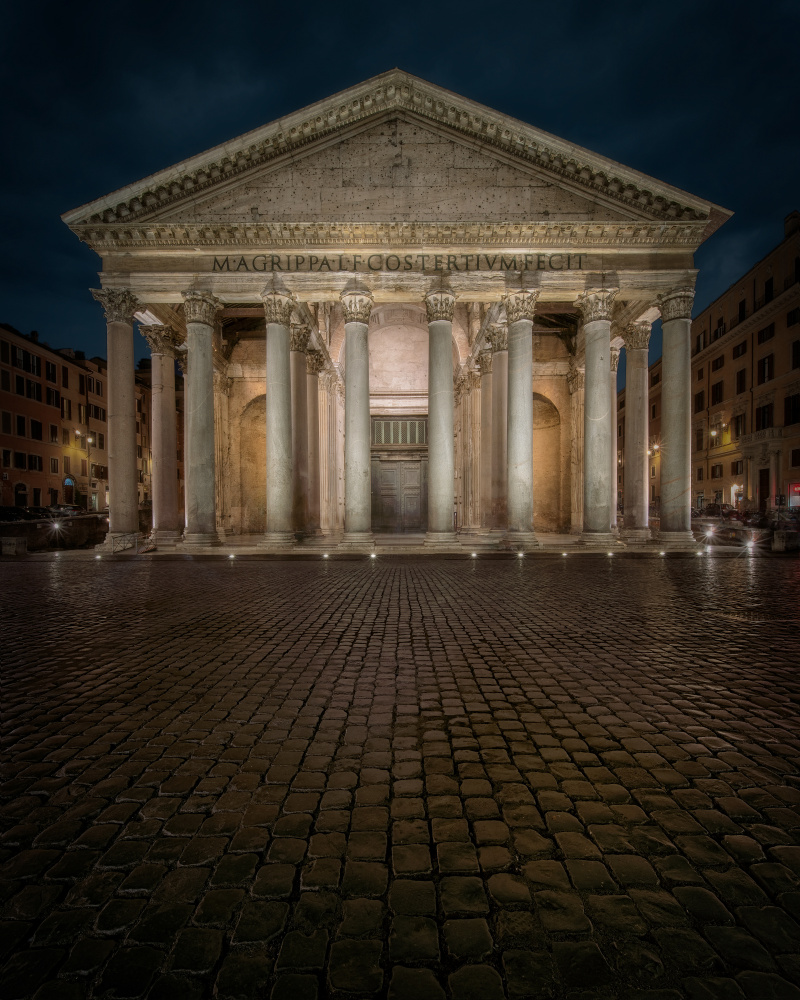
399 311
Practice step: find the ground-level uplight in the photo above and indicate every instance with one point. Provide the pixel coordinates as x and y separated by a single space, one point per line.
474 555
231 556
372 555
324 555
563 553
520 555
662 553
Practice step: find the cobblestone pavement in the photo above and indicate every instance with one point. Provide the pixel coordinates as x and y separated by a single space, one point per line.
414 779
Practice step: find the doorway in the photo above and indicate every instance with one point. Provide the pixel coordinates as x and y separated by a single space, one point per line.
399 494
763 489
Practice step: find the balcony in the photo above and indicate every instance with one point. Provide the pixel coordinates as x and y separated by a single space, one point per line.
767 434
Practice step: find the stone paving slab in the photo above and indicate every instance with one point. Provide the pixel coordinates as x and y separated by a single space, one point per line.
388 778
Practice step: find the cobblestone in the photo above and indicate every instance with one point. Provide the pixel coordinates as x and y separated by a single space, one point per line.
443 778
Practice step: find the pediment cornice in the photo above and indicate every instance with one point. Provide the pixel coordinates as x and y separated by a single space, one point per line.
400 93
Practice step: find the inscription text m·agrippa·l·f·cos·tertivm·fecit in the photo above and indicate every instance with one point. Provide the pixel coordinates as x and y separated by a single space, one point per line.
309 263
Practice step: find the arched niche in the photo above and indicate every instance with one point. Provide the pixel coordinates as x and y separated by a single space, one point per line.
546 465
253 468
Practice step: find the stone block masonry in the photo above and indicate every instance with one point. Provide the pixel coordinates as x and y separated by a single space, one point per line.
387 778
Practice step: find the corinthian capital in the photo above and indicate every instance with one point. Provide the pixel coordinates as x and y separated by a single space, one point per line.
357 303
315 362
498 338
520 304
299 338
440 304
595 304
485 362
160 339
278 304
637 336
200 307
676 304
119 304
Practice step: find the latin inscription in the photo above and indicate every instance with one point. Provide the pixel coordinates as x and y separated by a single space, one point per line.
419 262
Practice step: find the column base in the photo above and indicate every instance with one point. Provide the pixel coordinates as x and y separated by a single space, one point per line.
636 536
441 540
357 541
599 538
520 541
165 536
277 540
200 539
678 540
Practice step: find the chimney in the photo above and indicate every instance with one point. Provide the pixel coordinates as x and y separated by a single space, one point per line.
35 336
791 224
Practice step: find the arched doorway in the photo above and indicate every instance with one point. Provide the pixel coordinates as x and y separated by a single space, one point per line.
546 465
69 490
253 465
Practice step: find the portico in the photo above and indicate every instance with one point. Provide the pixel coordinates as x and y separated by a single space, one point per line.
398 308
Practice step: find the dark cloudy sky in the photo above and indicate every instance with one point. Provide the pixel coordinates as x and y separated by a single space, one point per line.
702 95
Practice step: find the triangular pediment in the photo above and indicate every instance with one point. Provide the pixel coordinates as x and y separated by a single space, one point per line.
394 149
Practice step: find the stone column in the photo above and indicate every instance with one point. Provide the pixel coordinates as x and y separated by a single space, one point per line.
637 502
183 363
676 418
774 478
357 303
222 392
440 304
278 305
119 305
520 306
595 304
576 381
747 481
499 340
299 378
485 363
475 444
612 387
315 362
201 517
166 522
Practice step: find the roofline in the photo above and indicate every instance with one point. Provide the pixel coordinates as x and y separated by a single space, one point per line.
717 214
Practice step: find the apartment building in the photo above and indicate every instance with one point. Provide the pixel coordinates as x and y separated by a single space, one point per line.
745 389
53 425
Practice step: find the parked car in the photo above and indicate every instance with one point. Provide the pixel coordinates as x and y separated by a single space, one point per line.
718 510
11 515
66 509
39 512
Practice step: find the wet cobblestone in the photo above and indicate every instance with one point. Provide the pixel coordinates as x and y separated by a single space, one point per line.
547 778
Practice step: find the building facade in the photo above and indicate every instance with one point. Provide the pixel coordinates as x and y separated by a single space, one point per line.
745 375
54 426
397 311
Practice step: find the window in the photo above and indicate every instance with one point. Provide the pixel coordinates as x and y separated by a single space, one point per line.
698 439
619 430
20 460
717 390
19 385
739 423
655 378
21 428
139 405
769 290
653 411
50 371
766 369
5 380
652 472
81 413
64 377
791 410
796 354
84 467
764 416
795 457
138 451
699 402
33 390
53 434
740 350
6 458
53 397
5 357
35 463
700 474
82 384
65 462
741 381
37 431
97 412
98 387
5 422
737 468
793 317
742 310
766 334
54 465
66 408
717 363
700 374
716 471
65 437
101 441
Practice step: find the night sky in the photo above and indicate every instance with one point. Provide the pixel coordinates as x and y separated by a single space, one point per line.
701 95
